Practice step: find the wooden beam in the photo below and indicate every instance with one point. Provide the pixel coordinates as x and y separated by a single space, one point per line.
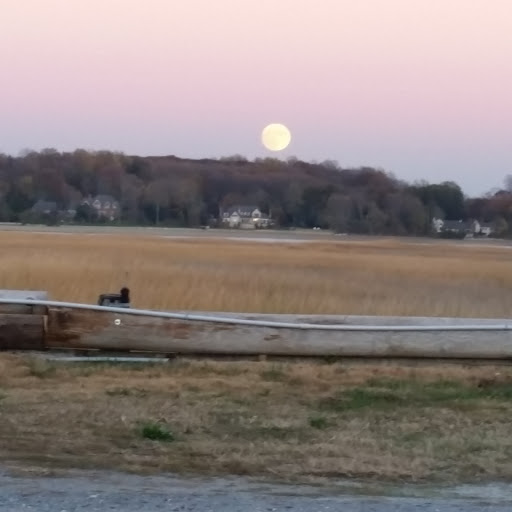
21 332
82 330
21 309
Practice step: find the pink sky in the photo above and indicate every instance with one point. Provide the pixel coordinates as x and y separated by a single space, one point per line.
420 88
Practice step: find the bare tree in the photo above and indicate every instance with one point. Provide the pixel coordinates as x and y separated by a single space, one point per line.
508 183
338 211
157 193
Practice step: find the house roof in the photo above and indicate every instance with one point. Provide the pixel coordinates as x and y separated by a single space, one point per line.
102 198
44 206
456 224
243 210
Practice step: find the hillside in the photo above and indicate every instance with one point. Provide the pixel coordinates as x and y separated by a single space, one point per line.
183 192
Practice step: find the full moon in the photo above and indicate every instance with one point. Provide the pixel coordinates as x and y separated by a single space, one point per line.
276 137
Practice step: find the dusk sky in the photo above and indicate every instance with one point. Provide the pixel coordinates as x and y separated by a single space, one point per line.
419 88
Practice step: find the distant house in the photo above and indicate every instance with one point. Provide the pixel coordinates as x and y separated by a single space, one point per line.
50 212
42 211
69 213
482 229
104 205
44 207
245 217
437 225
460 228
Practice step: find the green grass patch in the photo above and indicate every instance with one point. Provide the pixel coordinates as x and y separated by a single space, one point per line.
157 432
392 393
318 422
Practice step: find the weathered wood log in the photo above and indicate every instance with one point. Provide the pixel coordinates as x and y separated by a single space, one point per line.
21 332
117 332
22 309
353 319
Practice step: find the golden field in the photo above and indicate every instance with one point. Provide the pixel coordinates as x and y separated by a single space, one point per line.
293 420
379 277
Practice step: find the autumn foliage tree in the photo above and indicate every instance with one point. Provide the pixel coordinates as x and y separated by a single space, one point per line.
168 190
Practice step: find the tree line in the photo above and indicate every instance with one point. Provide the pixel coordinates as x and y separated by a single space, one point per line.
174 191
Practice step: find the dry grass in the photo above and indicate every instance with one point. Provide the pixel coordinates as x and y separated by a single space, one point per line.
377 278
293 421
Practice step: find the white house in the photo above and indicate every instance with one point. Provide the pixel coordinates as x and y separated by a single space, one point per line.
105 206
245 217
469 228
482 229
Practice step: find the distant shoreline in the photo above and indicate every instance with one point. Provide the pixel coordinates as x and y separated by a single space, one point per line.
267 235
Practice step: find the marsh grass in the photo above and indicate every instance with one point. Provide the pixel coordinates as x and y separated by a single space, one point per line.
389 277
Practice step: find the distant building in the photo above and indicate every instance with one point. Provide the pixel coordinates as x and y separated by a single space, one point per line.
461 228
44 207
245 217
482 229
104 205
48 211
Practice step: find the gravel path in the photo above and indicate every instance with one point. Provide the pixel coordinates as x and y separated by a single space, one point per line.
113 492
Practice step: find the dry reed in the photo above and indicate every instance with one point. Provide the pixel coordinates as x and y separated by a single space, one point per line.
261 418
375 278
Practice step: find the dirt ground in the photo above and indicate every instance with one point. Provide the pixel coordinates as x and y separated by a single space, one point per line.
303 422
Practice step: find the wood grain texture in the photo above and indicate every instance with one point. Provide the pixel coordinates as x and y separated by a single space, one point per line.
21 332
21 309
81 329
